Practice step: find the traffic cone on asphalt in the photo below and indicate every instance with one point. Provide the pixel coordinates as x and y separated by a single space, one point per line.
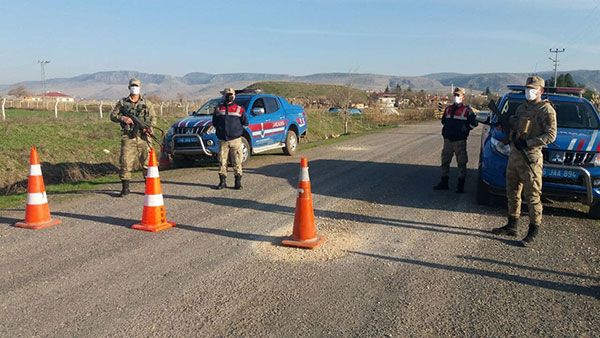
163 158
37 211
304 234
153 216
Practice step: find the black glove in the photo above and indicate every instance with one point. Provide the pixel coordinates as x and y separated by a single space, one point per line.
520 144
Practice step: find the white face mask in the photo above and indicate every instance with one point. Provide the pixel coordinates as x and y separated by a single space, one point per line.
457 99
531 94
134 90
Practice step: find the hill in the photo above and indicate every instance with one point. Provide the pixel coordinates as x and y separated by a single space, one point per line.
300 89
112 85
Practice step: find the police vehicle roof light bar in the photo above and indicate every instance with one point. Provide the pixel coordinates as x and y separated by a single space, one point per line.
551 90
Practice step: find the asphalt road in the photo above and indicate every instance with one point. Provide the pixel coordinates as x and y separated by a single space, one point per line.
400 259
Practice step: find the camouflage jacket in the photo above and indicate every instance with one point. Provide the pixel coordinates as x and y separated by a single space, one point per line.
142 109
535 122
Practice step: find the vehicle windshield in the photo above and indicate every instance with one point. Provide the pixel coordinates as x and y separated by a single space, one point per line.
209 107
576 115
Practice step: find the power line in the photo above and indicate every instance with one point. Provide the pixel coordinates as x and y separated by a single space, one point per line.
555 60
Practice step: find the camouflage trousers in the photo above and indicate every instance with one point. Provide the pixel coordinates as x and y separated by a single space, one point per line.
230 149
134 154
450 149
520 178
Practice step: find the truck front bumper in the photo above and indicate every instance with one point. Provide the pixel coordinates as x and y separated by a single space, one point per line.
201 147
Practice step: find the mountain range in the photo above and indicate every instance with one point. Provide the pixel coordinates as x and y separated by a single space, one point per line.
111 85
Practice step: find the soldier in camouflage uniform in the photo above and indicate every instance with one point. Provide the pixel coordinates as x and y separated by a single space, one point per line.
134 149
531 127
458 120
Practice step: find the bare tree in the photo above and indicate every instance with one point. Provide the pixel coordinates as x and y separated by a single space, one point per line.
20 91
154 98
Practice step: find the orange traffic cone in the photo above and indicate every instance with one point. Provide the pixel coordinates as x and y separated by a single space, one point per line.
163 158
153 216
305 231
37 211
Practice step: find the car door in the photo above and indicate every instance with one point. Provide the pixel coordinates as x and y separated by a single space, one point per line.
259 121
275 126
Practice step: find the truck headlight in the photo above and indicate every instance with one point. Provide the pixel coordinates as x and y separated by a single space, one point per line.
499 147
170 131
211 130
596 182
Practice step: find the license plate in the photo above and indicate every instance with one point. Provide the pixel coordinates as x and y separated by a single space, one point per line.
560 173
186 140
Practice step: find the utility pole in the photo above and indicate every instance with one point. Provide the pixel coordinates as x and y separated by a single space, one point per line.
43 76
555 60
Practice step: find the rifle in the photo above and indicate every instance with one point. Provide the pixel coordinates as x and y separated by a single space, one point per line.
139 126
505 123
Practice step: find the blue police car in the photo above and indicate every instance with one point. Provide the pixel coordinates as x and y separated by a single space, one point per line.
571 163
272 123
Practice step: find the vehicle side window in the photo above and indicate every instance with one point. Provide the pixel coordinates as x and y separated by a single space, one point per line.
258 104
271 105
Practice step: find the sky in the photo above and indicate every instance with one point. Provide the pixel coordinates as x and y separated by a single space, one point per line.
300 37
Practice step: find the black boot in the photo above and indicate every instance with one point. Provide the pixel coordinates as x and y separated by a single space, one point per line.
510 229
460 188
443 185
221 182
531 233
125 190
238 182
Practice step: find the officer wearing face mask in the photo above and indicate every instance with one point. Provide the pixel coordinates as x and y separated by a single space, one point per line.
458 120
531 127
229 120
135 149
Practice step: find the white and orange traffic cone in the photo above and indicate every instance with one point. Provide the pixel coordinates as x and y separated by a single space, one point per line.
304 234
37 211
153 217
163 158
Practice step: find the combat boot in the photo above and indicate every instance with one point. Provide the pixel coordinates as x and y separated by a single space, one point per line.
125 190
460 188
221 182
238 182
510 229
531 233
443 185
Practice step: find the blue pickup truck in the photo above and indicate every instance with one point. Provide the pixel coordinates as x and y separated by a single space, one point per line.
571 164
272 123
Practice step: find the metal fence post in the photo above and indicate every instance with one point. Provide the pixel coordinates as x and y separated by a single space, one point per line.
3 113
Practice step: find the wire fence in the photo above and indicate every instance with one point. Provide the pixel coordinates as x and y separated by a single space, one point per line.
99 108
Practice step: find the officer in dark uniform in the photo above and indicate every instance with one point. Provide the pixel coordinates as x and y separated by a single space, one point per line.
229 120
458 120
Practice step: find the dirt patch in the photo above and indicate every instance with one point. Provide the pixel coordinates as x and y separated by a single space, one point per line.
340 238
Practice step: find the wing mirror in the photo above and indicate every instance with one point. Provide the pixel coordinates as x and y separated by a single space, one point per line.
258 110
483 117
190 113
